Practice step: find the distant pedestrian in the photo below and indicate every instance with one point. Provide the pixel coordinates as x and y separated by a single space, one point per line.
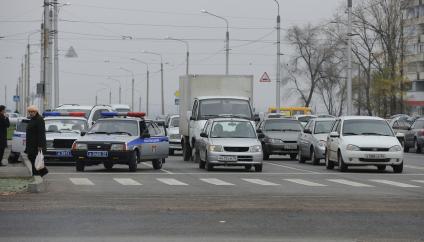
35 136
4 124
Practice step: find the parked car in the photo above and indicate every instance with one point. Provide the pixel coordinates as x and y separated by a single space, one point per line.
92 113
363 141
14 117
414 137
18 140
229 142
173 128
280 137
313 140
304 118
400 127
121 107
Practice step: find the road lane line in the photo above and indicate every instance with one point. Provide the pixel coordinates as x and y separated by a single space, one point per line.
260 182
393 183
349 183
419 181
171 181
127 181
149 165
81 181
305 182
313 172
414 167
217 182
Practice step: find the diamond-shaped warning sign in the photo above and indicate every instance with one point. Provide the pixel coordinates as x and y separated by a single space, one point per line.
265 78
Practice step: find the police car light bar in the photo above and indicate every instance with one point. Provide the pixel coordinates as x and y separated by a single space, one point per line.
72 114
128 114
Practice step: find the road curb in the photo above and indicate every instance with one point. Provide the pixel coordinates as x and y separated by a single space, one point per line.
38 185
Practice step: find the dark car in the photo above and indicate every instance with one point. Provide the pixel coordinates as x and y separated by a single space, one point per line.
414 138
281 137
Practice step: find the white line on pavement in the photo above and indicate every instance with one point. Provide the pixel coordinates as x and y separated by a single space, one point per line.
217 182
419 181
228 173
81 181
305 182
414 167
397 184
349 183
171 181
313 172
127 181
261 182
149 165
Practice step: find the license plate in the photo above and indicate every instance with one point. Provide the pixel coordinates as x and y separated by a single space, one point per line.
97 153
375 156
64 153
290 147
227 158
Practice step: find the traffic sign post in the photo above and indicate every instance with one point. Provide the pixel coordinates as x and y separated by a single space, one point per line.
16 98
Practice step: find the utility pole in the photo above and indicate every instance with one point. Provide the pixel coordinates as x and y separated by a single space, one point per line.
349 57
161 89
17 94
147 92
278 79
56 54
41 94
46 34
28 81
24 80
50 63
139 104
21 89
5 95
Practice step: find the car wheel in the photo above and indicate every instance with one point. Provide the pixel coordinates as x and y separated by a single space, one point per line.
258 168
209 166
314 159
405 147
417 147
398 168
157 164
301 158
381 167
342 166
132 163
186 150
13 157
293 156
328 163
197 157
108 165
171 152
265 155
79 165
247 167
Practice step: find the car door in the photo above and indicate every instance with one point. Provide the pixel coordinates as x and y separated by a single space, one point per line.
306 138
204 142
333 141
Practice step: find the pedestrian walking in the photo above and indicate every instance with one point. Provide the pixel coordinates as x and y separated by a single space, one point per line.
35 136
4 124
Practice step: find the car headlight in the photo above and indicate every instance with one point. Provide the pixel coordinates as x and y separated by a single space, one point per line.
322 143
49 143
395 148
79 146
255 148
275 141
215 148
175 136
118 147
352 148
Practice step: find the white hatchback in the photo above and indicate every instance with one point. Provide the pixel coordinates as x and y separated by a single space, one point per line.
363 141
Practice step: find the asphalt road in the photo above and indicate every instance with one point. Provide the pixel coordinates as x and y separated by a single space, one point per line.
288 201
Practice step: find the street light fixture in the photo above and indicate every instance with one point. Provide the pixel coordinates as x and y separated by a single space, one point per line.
187 49
161 79
132 86
227 38
147 83
120 87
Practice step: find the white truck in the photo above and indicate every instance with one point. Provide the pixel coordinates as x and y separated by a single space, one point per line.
209 96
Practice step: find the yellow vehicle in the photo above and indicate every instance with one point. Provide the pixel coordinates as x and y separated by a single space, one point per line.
291 111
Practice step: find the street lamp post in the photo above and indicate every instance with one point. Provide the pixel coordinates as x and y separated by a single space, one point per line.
147 84
278 79
161 79
132 86
97 92
120 87
349 58
110 92
187 50
227 39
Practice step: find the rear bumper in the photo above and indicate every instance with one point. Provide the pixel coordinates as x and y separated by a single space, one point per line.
280 149
115 157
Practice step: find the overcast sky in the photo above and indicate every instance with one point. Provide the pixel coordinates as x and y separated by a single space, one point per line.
96 30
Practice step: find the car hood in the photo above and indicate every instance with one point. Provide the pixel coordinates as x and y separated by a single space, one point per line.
174 130
106 138
52 136
371 141
286 135
321 136
235 142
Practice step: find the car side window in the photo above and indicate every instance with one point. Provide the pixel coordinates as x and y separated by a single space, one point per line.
160 130
97 114
152 130
310 125
194 114
205 128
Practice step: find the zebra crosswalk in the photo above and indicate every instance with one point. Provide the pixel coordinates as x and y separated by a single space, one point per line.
370 183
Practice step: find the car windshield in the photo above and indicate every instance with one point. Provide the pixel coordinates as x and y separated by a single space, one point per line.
366 127
85 111
233 129
305 119
282 125
419 124
224 107
175 122
22 125
323 127
125 127
65 125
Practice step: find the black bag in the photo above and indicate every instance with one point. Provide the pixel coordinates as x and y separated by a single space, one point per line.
43 171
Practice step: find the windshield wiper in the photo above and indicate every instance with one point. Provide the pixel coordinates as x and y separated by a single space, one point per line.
274 130
296 130
378 134
49 131
120 132
348 133
98 132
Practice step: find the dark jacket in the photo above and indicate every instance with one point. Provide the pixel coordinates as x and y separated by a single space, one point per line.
35 135
4 124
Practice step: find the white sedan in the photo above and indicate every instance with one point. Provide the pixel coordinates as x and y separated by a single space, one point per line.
363 141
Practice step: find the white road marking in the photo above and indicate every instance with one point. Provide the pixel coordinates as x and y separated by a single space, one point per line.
127 181
217 182
349 183
305 182
261 182
414 167
171 181
419 181
393 183
149 165
313 172
81 181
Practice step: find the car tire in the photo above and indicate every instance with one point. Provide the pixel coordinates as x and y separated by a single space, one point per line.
328 163
197 156
13 157
157 164
417 147
79 166
381 167
258 168
314 159
209 166
293 156
132 163
171 152
405 147
186 150
342 166
301 158
398 168
108 165
247 167
265 156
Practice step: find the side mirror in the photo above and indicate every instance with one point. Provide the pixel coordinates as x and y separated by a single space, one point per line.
145 135
203 135
83 133
92 123
307 131
334 135
261 136
259 131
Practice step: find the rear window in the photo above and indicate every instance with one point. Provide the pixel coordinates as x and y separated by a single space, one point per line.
282 125
86 111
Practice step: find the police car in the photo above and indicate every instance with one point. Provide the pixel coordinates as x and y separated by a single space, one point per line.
18 140
62 129
121 138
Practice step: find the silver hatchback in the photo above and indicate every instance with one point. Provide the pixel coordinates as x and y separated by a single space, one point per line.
229 142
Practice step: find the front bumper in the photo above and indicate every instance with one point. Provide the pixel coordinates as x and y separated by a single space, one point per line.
372 158
280 148
235 158
320 152
59 155
175 144
115 157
